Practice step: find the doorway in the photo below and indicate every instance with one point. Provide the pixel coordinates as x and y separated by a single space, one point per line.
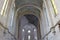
29 28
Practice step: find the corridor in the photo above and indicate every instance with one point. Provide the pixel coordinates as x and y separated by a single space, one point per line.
28 27
29 20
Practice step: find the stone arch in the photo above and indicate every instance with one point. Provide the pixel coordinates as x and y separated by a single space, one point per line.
35 19
19 13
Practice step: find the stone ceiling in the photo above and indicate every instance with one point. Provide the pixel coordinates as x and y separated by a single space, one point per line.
20 3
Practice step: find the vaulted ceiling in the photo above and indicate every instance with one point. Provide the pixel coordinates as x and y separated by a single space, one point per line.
20 3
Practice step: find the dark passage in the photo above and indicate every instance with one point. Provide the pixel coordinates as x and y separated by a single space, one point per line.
28 27
32 19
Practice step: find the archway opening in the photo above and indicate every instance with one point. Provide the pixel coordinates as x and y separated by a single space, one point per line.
29 27
32 19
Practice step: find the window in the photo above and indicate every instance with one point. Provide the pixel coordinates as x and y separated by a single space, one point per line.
4 7
54 7
1 4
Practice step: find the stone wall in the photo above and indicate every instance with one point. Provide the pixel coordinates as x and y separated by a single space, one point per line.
4 34
52 20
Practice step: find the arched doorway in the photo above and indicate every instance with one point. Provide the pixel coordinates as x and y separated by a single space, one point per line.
29 27
31 12
29 9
